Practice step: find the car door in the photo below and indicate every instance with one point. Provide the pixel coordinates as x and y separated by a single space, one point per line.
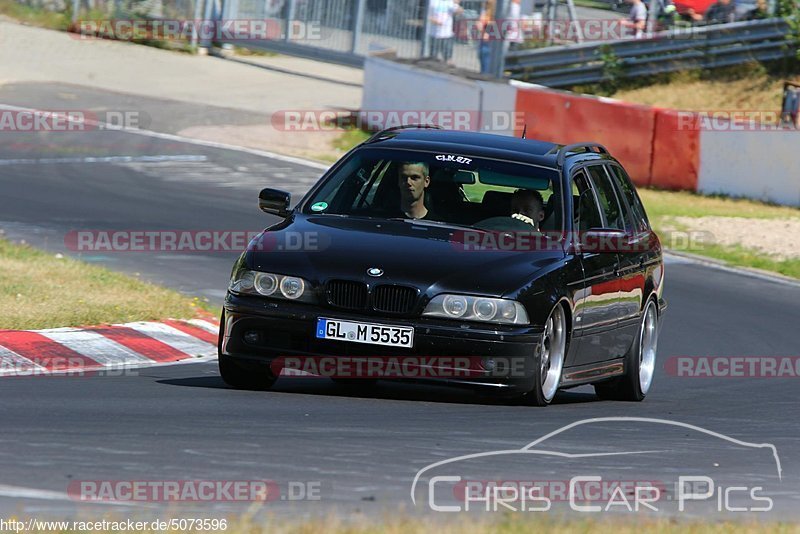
635 258
597 310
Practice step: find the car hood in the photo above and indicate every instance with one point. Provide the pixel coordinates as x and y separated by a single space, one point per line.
428 256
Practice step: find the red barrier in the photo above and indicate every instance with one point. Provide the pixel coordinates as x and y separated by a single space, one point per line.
561 117
676 152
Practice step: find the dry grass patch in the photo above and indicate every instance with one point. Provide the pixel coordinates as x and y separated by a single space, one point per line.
42 290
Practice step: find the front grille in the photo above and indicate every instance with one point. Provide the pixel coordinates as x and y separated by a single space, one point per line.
393 299
347 294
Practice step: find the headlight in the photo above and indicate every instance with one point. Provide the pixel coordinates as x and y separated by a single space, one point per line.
482 309
270 285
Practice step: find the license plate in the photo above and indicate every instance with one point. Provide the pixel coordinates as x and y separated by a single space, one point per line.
374 334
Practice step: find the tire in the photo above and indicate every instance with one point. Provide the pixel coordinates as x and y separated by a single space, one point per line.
242 375
550 355
640 363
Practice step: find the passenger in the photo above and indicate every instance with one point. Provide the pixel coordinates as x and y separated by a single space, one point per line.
527 206
527 211
413 179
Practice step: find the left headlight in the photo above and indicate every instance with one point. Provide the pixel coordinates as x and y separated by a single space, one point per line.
246 282
483 309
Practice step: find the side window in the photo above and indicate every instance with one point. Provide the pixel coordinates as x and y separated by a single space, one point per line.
609 204
584 204
640 222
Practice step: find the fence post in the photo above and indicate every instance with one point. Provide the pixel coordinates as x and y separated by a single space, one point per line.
426 24
358 22
290 13
76 7
497 62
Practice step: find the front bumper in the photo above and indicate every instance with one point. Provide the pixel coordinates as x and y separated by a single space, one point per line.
287 329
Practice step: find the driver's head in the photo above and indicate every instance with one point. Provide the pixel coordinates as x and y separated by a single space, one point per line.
528 202
413 178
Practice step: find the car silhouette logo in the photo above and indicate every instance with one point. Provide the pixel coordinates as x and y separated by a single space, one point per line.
374 271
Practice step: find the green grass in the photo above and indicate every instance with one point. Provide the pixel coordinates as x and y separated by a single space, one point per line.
685 204
41 290
350 138
36 16
662 206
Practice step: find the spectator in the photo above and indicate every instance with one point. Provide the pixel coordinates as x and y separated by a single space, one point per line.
761 11
637 18
440 27
789 111
487 28
512 26
720 12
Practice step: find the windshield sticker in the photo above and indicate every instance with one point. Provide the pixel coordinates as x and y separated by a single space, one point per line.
451 157
319 206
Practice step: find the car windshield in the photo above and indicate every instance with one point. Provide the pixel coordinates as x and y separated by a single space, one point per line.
453 188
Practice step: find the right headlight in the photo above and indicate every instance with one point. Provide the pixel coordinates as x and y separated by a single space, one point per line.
248 282
471 308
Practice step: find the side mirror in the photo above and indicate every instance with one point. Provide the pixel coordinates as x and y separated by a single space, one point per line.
599 240
274 202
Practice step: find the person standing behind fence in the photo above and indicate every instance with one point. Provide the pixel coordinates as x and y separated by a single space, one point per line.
487 28
513 27
637 18
721 12
440 27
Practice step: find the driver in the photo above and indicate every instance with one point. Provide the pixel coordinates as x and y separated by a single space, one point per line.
413 178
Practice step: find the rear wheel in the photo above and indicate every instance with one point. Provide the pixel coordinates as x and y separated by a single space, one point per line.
552 351
242 375
640 363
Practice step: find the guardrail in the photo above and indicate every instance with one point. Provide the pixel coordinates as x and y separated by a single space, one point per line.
704 47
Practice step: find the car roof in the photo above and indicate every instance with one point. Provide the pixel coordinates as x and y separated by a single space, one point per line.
478 144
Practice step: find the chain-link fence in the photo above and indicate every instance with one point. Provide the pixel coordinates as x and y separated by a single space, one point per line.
340 30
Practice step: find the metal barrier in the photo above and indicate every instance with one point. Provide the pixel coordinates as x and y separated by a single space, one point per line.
705 47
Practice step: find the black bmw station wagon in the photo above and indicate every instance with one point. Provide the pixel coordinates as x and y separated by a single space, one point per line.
532 263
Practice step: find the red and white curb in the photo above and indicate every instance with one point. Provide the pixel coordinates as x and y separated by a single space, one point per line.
98 348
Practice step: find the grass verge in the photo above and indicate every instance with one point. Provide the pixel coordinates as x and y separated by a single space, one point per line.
663 206
43 290
35 16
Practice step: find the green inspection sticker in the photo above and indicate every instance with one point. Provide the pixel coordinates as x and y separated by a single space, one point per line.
319 206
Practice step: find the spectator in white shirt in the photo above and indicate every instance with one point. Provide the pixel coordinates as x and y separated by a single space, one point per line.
637 19
440 27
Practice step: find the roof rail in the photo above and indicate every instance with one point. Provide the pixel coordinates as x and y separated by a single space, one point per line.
383 132
564 150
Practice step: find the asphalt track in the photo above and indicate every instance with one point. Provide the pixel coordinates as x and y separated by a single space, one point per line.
361 448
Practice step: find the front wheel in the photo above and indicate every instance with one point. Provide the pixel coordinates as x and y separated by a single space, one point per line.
552 351
640 363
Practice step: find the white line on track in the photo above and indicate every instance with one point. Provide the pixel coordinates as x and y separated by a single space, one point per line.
21 492
172 137
184 158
